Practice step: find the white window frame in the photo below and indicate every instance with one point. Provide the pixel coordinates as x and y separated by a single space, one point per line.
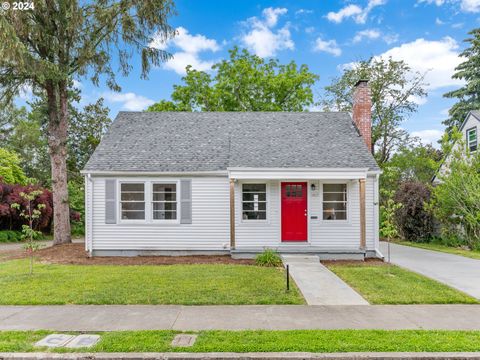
145 192
255 221
474 129
347 203
177 196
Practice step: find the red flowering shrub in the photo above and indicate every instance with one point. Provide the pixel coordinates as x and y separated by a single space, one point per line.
10 218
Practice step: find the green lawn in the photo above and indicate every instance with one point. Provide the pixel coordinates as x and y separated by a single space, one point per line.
443 248
389 284
265 341
172 284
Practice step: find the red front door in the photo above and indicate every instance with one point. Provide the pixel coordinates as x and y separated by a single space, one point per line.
294 211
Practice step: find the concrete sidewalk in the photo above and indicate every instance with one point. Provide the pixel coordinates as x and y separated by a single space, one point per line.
319 285
459 272
224 317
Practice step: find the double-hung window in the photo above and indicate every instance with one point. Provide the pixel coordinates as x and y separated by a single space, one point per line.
132 201
472 139
254 201
164 201
334 201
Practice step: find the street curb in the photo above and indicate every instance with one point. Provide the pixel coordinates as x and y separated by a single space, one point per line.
245 356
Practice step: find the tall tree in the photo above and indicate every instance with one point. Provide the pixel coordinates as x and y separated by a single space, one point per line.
244 82
468 96
87 127
46 47
28 139
395 89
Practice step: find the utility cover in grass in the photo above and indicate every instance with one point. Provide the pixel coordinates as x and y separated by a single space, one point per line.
184 340
55 340
83 341
69 341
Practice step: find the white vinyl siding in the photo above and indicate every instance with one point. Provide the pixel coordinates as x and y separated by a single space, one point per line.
325 234
210 229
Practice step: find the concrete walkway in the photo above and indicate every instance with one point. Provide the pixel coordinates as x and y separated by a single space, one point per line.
224 317
456 271
319 285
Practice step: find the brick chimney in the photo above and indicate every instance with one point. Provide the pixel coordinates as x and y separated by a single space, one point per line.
362 111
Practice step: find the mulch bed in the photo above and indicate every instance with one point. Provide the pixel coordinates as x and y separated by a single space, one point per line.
75 254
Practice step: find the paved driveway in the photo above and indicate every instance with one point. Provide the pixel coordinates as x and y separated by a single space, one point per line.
456 271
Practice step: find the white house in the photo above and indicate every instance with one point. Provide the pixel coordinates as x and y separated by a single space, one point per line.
235 183
469 131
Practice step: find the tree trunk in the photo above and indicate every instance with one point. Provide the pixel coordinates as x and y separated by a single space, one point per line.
57 142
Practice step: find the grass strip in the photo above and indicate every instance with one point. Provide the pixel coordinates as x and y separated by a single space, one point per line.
390 284
265 341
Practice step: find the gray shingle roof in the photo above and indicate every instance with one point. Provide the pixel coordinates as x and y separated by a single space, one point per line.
210 141
476 113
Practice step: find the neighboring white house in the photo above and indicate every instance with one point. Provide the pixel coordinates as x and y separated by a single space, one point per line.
235 183
469 131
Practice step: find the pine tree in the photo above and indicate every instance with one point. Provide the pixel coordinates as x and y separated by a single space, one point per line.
468 95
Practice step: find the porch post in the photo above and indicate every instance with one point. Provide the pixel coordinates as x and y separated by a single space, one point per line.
363 223
232 214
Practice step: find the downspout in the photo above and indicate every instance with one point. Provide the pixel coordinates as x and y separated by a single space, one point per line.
376 214
88 217
363 224
232 214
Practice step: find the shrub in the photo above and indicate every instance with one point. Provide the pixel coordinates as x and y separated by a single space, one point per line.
10 236
268 258
456 199
414 221
10 218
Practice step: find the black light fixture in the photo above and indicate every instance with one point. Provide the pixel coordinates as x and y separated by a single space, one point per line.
313 187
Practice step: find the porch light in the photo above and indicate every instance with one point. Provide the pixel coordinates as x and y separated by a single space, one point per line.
313 187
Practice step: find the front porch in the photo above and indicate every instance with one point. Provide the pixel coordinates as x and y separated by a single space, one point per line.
332 213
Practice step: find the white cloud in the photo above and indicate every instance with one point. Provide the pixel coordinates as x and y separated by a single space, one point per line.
303 11
366 34
261 37
358 14
436 2
26 93
472 6
271 15
130 101
390 38
429 136
189 46
419 100
436 58
328 46
439 22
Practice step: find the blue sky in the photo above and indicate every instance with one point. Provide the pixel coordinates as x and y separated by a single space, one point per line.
325 34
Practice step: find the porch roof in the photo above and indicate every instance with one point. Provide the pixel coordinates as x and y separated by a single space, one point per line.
299 173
